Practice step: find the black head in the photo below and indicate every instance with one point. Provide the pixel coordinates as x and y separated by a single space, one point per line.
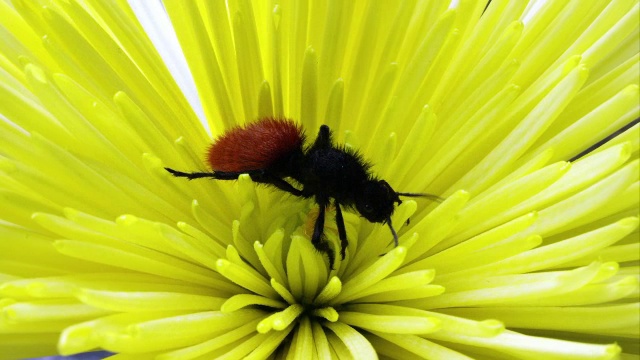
376 201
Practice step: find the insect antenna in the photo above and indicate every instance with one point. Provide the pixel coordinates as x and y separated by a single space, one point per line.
431 197
393 231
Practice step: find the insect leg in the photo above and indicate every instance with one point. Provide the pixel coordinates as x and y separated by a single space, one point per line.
197 175
264 177
318 241
285 186
342 232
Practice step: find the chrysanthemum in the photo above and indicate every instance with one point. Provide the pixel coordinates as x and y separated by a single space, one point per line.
533 254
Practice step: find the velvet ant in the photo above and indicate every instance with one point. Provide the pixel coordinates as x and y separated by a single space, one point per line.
272 150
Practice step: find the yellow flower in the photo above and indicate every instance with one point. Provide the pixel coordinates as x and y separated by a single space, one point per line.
533 254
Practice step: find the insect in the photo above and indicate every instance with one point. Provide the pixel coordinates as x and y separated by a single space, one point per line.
272 151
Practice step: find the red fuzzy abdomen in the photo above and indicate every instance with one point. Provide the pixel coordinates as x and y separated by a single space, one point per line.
256 146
